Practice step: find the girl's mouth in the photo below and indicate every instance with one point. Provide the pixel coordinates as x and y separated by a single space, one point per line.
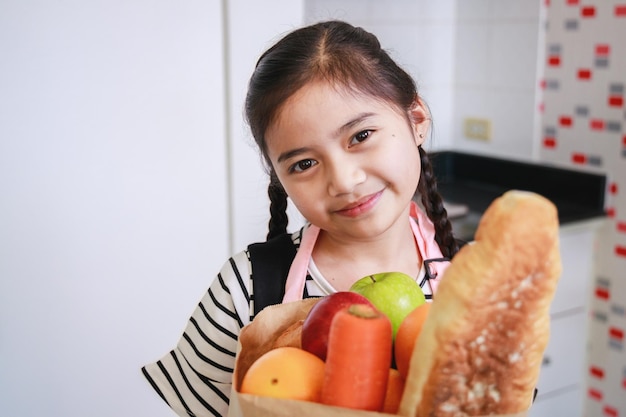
361 206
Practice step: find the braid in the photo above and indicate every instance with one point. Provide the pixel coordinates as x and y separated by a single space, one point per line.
433 205
278 208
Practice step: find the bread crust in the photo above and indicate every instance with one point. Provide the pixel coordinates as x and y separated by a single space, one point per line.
481 347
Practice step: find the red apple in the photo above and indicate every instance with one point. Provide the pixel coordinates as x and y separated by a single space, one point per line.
316 324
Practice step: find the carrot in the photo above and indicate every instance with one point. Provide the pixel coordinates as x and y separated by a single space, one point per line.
358 360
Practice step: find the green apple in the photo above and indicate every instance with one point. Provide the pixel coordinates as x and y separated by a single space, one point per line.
394 294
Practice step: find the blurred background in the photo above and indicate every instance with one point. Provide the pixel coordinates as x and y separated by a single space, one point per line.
128 175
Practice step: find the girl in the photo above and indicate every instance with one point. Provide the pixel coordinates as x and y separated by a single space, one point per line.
341 129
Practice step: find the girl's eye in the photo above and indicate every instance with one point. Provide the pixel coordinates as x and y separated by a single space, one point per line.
303 165
360 137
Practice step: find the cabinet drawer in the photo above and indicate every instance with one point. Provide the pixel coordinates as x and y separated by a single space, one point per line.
567 403
564 358
573 289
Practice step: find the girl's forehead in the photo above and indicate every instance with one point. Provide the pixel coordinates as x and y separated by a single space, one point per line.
316 88
322 93
322 111
323 105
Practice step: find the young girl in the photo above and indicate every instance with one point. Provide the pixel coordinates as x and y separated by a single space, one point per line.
341 129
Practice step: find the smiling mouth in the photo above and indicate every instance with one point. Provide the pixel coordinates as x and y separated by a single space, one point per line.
362 206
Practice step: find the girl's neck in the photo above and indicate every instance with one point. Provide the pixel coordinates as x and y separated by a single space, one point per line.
342 261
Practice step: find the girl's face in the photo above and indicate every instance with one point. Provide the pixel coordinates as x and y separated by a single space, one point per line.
349 163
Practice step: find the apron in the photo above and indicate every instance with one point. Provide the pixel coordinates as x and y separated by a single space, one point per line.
423 231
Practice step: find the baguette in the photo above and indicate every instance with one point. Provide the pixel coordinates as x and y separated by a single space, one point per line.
481 347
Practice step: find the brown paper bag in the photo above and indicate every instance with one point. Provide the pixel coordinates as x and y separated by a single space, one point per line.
257 338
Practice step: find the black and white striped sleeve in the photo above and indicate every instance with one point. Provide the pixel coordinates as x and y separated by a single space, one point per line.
194 379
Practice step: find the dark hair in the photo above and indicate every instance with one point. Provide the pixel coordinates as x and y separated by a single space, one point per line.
344 55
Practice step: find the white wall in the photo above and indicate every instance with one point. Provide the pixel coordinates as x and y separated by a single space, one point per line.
113 200
498 47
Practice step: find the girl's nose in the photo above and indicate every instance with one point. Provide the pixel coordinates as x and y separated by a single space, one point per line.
343 176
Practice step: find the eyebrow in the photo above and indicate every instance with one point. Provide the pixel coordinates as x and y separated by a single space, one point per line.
346 126
351 123
291 153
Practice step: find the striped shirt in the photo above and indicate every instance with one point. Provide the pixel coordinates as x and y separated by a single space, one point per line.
194 378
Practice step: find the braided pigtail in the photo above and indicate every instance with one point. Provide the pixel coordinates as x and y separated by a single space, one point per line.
433 205
278 208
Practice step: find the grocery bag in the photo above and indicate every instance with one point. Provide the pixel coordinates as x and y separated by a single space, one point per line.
257 338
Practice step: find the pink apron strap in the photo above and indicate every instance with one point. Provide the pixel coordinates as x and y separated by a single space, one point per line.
423 230
294 287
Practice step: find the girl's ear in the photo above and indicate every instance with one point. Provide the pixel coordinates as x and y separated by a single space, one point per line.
419 116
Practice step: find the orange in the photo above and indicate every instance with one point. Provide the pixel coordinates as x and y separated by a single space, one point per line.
395 388
408 332
285 372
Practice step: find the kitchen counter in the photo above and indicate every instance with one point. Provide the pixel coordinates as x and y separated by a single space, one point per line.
474 181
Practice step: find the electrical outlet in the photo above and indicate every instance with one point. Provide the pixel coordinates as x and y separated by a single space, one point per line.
477 128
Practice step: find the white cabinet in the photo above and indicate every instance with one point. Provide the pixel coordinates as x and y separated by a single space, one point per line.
562 380
563 358
112 216
567 403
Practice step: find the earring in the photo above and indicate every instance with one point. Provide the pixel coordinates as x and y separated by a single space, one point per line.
421 136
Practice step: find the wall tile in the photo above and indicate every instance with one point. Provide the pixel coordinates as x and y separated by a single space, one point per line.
440 101
350 10
430 65
511 113
473 10
437 10
513 55
472 54
585 76
514 10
